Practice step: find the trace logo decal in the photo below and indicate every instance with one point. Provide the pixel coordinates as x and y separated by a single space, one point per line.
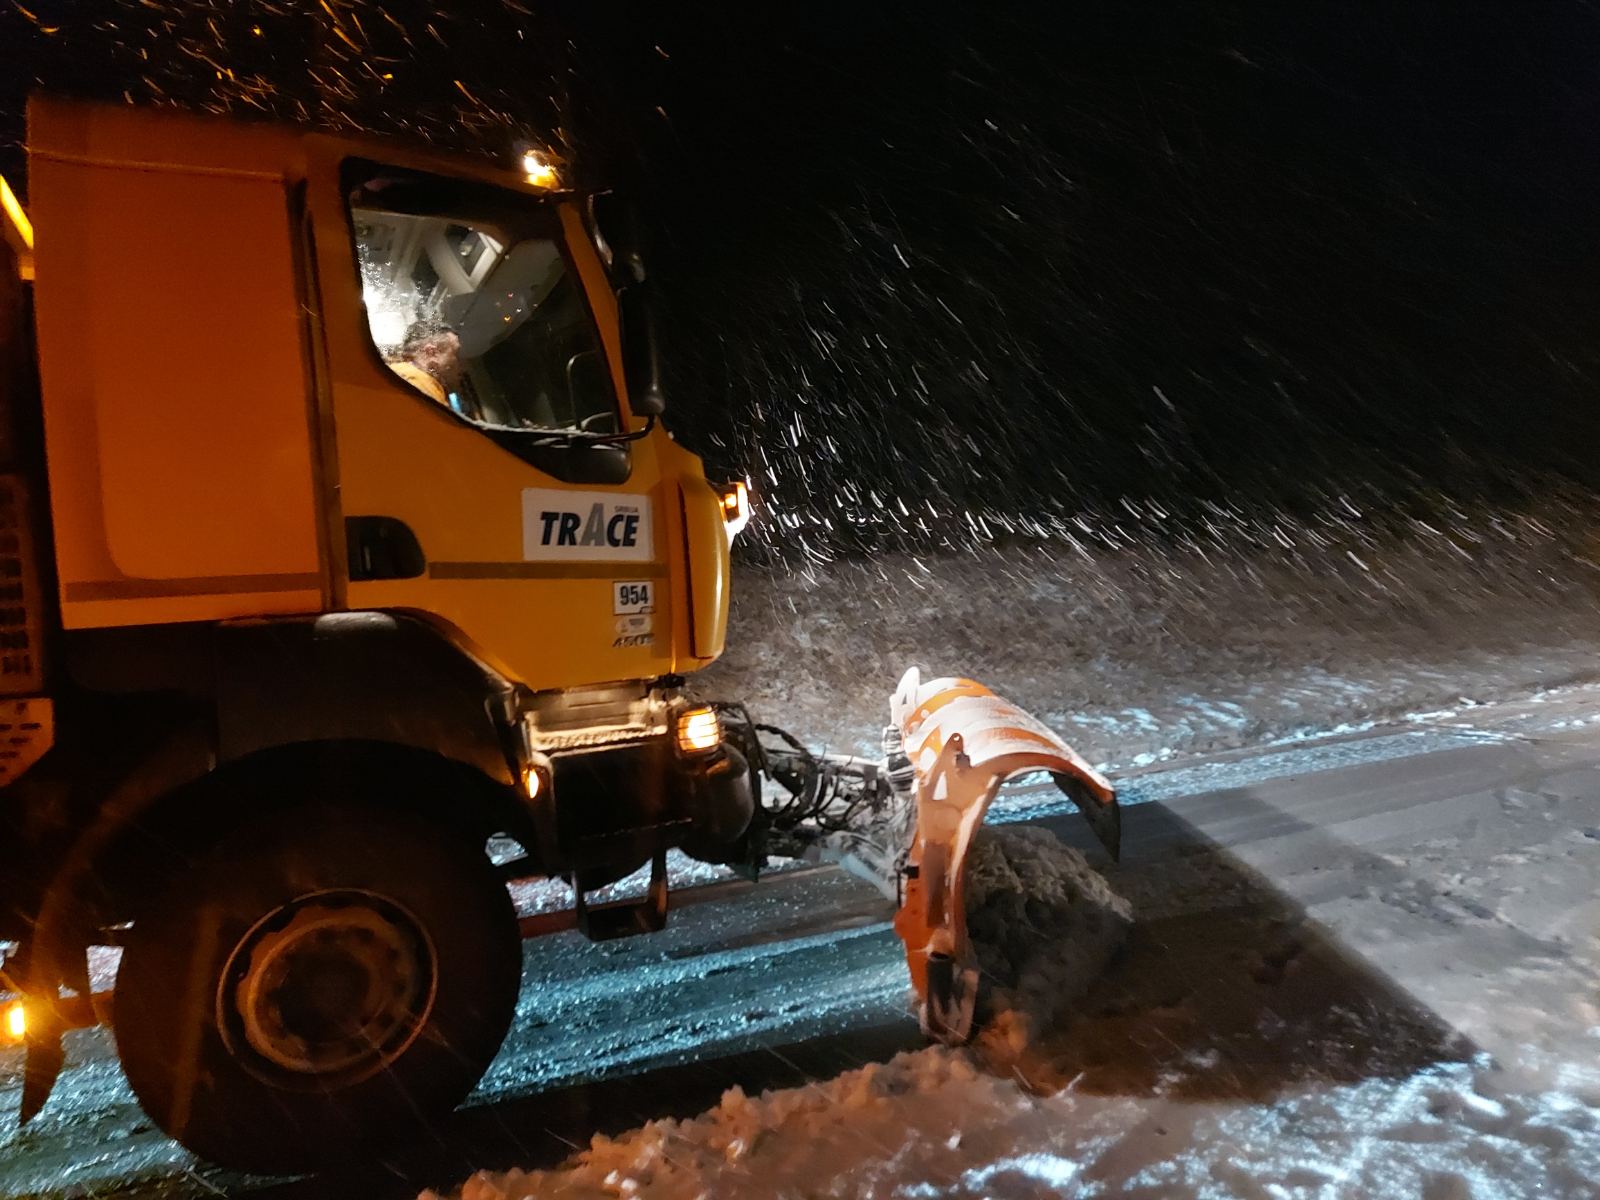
560 526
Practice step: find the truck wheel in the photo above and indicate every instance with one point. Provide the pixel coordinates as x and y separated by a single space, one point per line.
315 983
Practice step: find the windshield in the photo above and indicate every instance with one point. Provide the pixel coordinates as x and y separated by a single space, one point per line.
472 303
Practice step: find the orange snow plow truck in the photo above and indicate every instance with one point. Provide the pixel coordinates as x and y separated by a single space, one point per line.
348 575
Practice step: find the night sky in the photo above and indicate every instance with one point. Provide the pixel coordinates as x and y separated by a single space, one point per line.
1028 262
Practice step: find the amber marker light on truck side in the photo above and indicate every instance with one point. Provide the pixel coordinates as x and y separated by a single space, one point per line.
735 508
18 229
699 730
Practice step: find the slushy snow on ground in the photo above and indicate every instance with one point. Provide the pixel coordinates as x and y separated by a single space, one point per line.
1231 1050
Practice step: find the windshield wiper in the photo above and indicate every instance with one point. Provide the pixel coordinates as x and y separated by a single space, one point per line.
569 437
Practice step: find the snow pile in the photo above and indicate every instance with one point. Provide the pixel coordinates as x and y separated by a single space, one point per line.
784 1142
1043 923
929 1125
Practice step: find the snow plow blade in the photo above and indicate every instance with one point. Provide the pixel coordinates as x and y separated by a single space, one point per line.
962 742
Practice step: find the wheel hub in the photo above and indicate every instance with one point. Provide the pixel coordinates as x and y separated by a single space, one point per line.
332 986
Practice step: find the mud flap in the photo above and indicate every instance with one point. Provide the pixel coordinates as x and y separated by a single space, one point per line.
625 918
963 742
37 980
46 1057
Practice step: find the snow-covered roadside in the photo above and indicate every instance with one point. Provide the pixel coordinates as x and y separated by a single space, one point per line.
1140 652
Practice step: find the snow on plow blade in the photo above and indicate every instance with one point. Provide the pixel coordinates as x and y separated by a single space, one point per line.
962 742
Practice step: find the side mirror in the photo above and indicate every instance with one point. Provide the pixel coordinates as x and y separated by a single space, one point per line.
641 361
619 232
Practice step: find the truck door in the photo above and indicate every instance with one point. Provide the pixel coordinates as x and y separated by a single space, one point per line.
470 334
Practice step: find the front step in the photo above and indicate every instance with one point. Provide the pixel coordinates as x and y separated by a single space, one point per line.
624 918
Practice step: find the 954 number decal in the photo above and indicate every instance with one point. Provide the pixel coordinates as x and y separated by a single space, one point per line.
631 597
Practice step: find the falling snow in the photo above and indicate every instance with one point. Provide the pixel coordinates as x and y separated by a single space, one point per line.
1201 383
1049 282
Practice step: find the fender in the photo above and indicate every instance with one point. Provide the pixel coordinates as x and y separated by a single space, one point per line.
356 676
373 676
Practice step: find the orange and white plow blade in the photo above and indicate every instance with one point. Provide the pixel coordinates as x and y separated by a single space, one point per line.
963 742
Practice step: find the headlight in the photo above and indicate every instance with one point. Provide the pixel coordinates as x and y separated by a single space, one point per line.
699 730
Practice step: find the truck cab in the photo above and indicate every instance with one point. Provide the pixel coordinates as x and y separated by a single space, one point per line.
346 540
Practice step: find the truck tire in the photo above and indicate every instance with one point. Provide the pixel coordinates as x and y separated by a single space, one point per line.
316 983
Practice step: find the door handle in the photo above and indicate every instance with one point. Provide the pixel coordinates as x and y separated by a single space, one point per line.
382 548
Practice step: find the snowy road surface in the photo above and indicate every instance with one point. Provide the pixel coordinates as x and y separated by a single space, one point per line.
1363 965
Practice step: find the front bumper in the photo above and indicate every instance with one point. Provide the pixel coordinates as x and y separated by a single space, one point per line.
614 807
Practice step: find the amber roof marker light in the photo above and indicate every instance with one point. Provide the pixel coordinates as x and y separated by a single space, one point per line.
538 169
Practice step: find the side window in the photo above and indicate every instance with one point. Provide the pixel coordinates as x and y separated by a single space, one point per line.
471 302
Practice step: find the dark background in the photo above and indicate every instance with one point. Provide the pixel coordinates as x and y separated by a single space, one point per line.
1024 261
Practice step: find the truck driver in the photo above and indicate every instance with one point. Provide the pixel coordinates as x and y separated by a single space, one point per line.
430 360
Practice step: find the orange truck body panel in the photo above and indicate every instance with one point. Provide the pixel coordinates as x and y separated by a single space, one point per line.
173 370
215 408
